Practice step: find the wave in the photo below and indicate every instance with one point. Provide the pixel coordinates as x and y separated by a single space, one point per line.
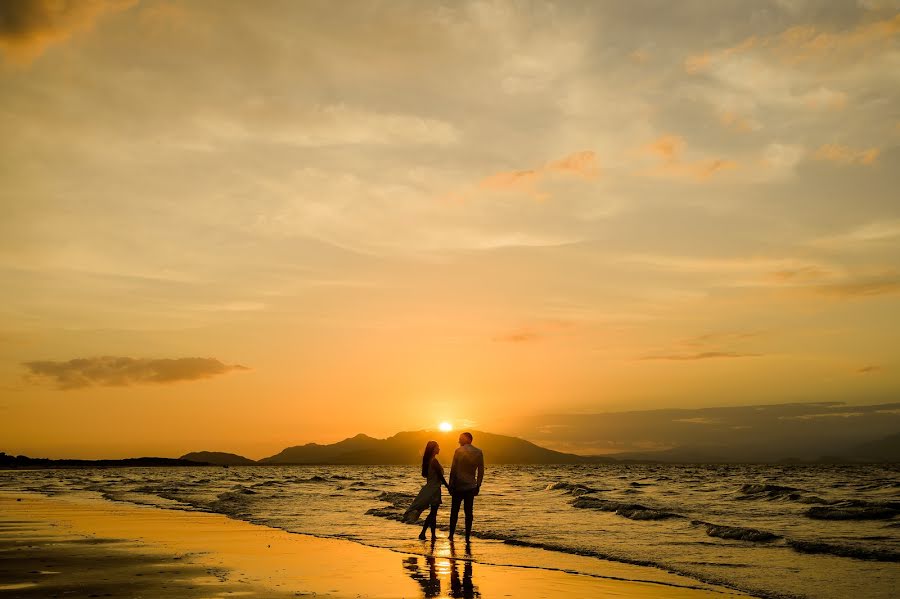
777 492
736 533
571 488
632 511
234 503
856 552
702 577
852 512
398 504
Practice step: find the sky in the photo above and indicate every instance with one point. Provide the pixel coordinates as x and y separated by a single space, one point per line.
239 226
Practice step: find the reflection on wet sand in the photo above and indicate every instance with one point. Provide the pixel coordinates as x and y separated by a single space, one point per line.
441 570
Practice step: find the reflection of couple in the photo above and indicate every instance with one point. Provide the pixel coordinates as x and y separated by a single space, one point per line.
466 475
429 576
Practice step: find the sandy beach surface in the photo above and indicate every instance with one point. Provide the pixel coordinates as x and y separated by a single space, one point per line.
82 546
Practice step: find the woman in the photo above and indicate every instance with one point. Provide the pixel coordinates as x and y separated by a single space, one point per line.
430 494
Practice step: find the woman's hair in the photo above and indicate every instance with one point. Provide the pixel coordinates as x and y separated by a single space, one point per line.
426 457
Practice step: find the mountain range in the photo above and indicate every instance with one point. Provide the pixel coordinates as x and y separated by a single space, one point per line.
406 448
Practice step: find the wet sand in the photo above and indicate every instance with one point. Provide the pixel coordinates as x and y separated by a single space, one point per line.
80 546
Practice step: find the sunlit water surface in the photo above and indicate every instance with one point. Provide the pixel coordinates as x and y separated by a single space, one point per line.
776 531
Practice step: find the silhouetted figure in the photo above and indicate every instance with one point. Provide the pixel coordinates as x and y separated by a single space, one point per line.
466 475
466 588
430 583
430 494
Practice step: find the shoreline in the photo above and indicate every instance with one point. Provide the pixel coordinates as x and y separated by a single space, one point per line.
225 556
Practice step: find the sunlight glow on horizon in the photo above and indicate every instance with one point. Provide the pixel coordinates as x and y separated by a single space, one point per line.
445 427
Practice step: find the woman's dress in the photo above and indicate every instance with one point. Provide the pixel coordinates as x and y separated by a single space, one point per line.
429 495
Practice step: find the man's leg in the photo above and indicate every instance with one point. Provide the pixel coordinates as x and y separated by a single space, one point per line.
468 506
454 513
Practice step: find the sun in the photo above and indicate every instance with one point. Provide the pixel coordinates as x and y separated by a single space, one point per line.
445 427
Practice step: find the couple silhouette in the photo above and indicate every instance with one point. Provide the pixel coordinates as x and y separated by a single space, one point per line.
431 570
466 474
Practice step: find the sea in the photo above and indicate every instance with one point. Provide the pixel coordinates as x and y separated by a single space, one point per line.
774 531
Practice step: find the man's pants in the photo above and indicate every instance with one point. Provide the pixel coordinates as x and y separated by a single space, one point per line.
467 498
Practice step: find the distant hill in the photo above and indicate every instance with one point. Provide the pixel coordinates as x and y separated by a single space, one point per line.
406 448
219 458
885 449
8 462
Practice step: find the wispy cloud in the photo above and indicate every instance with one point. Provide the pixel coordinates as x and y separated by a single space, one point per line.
861 287
800 275
29 27
518 336
879 231
670 150
827 415
115 371
700 356
869 369
580 164
719 337
802 43
846 155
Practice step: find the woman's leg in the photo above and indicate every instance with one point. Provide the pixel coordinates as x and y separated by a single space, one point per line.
433 517
430 521
424 527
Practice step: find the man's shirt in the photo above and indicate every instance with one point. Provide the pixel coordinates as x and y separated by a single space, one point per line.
467 470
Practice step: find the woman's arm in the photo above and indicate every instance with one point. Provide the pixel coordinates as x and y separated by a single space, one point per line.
440 470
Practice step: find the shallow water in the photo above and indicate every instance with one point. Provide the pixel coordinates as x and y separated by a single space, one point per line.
775 531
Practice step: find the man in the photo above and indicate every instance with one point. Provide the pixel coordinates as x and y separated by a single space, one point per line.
466 475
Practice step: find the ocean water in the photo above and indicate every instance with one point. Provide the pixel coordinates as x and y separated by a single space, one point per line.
775 531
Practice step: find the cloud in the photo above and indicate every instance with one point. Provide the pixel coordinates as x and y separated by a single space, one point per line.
799 275
29 27
874 232
836 283
823 97
719 337
164 16
803 43
780 159
846 155
827 415
520 336
700 62
580 164
701 356
807 42
114 371
861 288
734 121
341 124
869 369
805 430
670 149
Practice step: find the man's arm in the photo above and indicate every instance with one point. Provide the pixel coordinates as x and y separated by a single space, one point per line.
454 470
479 470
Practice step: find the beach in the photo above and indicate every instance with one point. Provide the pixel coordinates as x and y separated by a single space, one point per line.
80 546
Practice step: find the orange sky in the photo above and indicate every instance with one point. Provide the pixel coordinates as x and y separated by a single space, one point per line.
240 226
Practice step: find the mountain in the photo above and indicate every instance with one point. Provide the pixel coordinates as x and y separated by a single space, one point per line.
219 458
406 448
8 462
886 449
